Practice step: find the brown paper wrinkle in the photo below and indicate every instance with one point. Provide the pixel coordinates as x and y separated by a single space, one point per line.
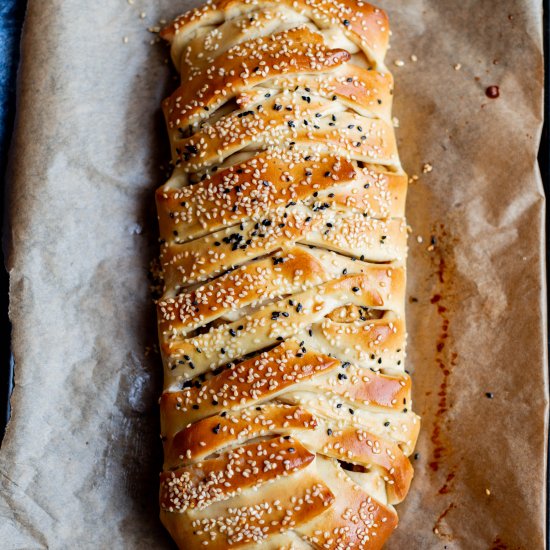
79 464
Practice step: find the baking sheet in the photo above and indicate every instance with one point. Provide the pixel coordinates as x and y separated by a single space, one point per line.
79 463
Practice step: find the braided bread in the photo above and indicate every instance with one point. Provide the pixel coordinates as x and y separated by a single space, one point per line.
286 413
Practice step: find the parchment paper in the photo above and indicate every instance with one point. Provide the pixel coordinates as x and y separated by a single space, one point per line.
80 459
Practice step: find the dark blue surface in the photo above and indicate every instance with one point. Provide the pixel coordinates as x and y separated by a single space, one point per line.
544 163
11 19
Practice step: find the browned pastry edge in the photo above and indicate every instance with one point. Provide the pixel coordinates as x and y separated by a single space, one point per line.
248 64
365 24
218 478
266 181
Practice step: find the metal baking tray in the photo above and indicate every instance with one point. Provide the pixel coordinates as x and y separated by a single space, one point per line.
11 19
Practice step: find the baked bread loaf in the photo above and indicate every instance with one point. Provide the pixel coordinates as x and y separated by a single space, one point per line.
286 412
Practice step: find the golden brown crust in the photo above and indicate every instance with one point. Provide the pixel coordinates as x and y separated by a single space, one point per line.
286 414
277 321
363 23
252 516
215 479
246 65
350 233
367 92
273 372
264 182
355 520
357 446
286 122
261 183
196 441
290 271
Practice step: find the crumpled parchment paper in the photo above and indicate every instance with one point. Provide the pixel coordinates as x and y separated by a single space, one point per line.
79 463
